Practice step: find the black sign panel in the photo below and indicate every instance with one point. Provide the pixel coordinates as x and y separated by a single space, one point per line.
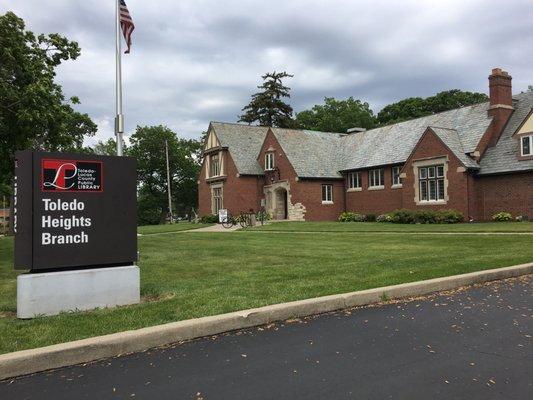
74 210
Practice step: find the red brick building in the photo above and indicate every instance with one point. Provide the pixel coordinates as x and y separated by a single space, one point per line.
476 159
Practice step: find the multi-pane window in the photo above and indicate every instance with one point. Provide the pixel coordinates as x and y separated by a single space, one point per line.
217 199
327 193
527 145
354 180
269 161
376 177
214 163
431 183
396 176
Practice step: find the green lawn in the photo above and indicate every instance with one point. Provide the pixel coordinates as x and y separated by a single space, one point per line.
199 274
180 226
390 227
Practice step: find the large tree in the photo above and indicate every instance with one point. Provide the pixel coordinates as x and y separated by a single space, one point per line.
34 113
267 107
337 116
147 145
415 107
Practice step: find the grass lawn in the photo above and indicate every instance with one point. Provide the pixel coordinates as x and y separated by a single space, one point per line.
199 274
180 226
389 227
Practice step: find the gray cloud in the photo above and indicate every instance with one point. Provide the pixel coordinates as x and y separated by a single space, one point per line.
196 61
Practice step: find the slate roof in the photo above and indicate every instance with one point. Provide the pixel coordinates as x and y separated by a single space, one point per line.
244 143
312 154
393 144
503 157
324 154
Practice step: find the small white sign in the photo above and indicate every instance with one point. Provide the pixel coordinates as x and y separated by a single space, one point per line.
222 215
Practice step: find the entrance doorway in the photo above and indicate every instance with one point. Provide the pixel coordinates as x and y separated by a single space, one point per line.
281 205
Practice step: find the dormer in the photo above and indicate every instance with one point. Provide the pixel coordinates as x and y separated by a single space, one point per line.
524 135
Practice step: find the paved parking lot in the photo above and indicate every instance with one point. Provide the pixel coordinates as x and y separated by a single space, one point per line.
469 344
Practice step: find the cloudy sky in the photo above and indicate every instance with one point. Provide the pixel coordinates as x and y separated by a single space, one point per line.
194 61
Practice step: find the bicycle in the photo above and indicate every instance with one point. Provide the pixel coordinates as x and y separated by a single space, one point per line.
244 220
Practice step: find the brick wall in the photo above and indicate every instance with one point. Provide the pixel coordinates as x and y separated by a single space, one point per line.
240 193
374 201
512 193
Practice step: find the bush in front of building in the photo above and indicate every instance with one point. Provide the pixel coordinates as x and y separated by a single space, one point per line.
384 218
502 216
351 217
522 218
209 219
425 217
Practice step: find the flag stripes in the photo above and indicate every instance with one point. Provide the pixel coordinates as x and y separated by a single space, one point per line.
126 23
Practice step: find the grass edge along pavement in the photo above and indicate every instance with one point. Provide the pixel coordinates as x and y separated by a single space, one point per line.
87 350
201 274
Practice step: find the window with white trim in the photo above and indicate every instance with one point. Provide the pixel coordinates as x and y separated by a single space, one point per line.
217 199
269 161
526 145
327 193
214 165
354 180
376 178
396 181
431 183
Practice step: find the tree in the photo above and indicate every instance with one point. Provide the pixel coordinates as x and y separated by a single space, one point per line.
415 107
337 116
107 148
147 145
33 111
267 106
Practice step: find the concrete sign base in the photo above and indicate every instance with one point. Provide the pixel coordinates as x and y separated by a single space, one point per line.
50 293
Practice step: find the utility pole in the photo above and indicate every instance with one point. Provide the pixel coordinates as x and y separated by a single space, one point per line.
168 185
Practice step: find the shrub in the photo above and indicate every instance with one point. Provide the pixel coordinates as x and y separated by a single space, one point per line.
371 217
502 216
209 219
351 217
449 217
384 218
521 218
425 217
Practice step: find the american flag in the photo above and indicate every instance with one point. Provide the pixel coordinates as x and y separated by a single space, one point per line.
126 24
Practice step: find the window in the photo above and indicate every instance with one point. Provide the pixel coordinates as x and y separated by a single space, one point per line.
431 181
269 161
214 165
354 180
217 199
527 145
396 181
327 194
376 177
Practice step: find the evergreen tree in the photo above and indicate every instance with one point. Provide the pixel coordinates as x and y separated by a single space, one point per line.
267 106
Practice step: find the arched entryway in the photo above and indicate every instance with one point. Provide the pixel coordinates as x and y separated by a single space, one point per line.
281 204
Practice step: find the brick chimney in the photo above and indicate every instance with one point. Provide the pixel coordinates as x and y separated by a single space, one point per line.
501 102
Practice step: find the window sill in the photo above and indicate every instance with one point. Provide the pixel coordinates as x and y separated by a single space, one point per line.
358 189
399 186
376 187
431 202
327 202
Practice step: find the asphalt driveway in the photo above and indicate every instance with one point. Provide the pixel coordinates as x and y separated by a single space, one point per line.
468 344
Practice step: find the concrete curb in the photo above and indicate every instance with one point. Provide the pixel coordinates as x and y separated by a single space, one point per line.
80 351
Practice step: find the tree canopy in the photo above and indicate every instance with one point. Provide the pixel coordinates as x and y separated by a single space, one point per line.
267 107
337 116
147 145
34 113
415 107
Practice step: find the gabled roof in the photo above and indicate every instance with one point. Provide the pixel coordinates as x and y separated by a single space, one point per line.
393 144
503 157
312 154
324 154
451 139
244 143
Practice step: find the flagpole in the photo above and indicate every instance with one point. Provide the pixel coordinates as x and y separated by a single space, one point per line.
119 118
